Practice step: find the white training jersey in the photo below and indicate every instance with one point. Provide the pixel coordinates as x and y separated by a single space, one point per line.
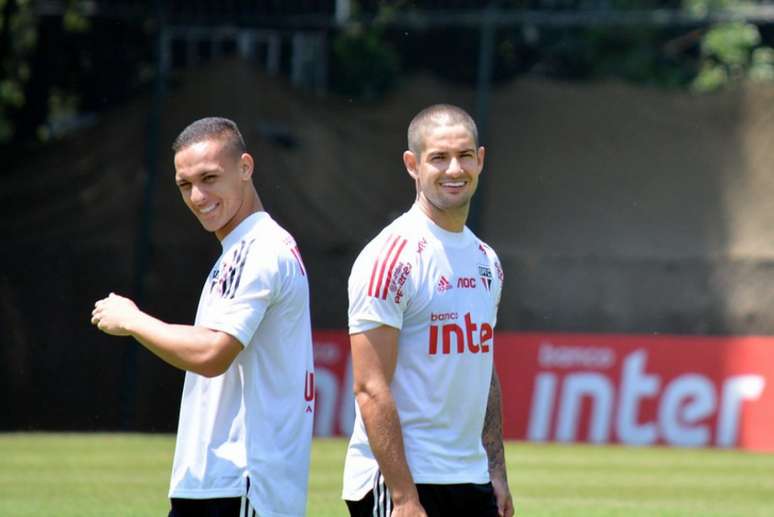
256 419
441 289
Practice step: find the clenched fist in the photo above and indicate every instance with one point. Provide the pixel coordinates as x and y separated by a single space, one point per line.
113 314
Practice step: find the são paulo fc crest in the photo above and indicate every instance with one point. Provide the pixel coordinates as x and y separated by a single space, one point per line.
486 276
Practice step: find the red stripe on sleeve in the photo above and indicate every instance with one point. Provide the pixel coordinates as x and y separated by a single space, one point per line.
297 253
384 265
392 266
376 265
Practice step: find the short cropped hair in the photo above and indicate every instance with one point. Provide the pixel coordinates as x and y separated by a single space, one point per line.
438 115
217 128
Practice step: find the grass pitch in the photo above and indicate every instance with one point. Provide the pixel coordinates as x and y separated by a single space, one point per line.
127 475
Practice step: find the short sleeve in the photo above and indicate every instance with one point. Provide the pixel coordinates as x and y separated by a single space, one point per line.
244 286
380 284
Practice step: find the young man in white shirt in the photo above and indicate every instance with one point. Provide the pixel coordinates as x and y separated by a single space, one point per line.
423 297
246 415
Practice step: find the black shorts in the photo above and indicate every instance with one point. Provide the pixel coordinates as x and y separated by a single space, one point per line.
220 507
463 500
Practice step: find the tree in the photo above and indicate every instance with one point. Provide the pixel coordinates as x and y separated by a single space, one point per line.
60 68
18 37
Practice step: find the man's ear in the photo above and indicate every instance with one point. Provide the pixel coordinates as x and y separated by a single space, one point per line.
481 154
410 162
246 166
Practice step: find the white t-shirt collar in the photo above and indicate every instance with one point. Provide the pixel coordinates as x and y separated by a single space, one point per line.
242 228
453 239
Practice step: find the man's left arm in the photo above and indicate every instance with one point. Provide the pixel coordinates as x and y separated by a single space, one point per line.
492 438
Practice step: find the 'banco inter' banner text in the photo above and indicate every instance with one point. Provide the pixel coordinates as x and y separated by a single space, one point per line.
604 388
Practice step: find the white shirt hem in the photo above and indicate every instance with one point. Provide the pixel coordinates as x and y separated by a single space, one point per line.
211 493
356 494
262 512
450 480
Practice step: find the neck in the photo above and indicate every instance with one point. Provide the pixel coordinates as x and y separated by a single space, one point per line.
250 205
257 205
450 219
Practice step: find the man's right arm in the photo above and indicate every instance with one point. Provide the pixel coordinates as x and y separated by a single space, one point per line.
197 349
374 356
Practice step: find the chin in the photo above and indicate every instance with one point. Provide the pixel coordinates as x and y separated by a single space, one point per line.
210 227
456 204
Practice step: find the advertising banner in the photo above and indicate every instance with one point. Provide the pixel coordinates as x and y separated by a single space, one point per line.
638 389
684 391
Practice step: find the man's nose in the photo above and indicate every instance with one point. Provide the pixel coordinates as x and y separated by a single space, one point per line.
455 166
197 195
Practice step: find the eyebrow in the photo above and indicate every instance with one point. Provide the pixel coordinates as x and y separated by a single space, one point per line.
197 175
433 152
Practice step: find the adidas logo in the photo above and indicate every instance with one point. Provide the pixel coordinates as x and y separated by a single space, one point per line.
443 285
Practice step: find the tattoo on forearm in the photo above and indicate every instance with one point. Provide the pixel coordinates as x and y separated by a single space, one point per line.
492 434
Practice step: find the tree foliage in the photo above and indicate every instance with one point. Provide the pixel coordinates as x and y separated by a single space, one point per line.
58 70
732 52
18 37
365 65
61 69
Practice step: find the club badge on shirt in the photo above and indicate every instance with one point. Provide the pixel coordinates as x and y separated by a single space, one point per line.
485 273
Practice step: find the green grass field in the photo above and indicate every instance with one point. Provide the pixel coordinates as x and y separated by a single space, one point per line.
126 475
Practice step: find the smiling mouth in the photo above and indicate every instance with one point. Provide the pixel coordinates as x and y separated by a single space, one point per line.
454 184
207 209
